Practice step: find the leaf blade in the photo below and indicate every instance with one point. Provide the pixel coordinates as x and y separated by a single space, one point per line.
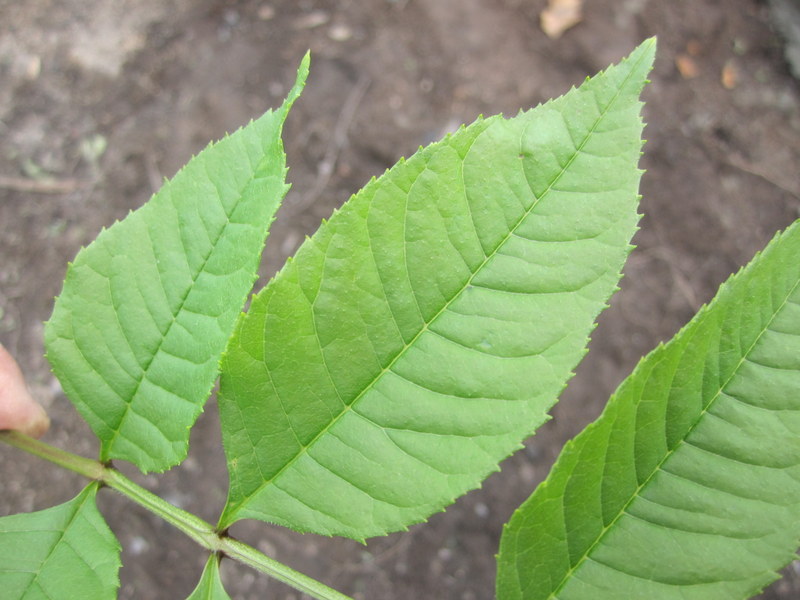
354 390
64 551
210 585
695 460
147 308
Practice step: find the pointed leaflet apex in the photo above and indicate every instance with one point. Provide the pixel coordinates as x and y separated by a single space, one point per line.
424 331
210 586
147 308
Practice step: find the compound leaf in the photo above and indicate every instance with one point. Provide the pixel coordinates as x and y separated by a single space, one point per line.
66 551
148 307
688 485
210 586
424 331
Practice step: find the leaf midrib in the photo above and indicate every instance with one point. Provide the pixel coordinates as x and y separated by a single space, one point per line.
231 515
658 468
67 526
107 447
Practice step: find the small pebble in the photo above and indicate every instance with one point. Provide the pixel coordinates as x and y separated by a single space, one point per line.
340 32
138 545
33 68
231 18
276 88
481 510
266 12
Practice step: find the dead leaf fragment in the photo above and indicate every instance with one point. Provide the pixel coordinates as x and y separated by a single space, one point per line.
730 75
687 67
312 20
559 16
694 48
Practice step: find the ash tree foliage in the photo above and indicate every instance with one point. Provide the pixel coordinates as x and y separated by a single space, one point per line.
411 345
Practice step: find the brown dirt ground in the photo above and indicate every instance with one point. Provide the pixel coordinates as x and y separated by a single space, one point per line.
99 100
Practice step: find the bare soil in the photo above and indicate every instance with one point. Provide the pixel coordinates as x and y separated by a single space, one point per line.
100 100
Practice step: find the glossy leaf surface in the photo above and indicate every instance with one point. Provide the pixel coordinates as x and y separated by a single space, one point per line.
424 331
66 551
688 485
148 307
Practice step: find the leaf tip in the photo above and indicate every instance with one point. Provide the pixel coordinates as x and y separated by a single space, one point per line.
300 81
646 53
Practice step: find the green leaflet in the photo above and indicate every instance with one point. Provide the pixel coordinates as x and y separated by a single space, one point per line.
148 307
419 336
688 485
66 551
210 586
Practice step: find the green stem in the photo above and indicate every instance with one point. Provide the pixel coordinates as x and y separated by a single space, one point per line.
83 466
252 557
196 528
193 526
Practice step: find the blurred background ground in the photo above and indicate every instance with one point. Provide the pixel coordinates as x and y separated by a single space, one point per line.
101 99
